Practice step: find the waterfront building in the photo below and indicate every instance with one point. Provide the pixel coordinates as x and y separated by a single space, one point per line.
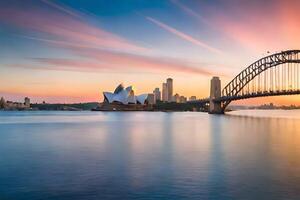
193 98
170 89
2 103
182 99
10 105
27 102
179 99
124 96
164 92
151 99
124 99
157 95
176 98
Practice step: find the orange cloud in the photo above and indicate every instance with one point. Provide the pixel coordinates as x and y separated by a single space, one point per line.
184 36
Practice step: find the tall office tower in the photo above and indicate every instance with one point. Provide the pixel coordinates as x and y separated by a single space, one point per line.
164 92
170 89
157 94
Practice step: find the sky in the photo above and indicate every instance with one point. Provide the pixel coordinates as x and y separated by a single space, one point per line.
71 51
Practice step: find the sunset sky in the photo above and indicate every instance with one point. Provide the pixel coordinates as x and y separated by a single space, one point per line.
72 51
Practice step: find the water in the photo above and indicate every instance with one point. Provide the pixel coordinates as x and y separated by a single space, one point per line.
149 155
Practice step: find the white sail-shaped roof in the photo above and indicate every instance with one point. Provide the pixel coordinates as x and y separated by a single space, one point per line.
119 89
131 97
129 88
142 98
108 96
121 97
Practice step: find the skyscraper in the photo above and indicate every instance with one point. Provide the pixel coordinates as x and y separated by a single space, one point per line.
170 89
164 92
157 94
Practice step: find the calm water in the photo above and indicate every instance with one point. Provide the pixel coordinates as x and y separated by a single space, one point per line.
149 155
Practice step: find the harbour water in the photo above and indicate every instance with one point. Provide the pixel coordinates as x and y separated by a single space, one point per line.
149 155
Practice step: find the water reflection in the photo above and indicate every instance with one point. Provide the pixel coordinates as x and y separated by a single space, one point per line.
217 186
136 155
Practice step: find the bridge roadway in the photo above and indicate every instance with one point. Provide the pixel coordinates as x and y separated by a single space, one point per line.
257 94
247 96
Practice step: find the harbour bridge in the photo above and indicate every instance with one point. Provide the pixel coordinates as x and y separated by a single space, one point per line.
273 75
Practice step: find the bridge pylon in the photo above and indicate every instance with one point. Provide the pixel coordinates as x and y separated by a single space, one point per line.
215 92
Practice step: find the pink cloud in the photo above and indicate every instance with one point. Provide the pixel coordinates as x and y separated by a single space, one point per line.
183 35
107 61
256 36
97 48
61 27
255 25
288 22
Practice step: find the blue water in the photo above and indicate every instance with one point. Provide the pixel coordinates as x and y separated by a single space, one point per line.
149 155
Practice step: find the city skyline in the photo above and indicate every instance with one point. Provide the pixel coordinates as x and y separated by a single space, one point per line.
88 48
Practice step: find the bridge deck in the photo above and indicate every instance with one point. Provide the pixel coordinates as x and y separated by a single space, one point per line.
258 94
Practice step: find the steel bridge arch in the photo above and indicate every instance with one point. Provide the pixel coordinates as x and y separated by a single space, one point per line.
232 89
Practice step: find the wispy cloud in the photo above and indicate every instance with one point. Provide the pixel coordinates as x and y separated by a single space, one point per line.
100 60
56 25
62 8
184 36
189 11
95 48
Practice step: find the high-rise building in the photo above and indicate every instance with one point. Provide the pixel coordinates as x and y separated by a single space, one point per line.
170 89
164 92
157 95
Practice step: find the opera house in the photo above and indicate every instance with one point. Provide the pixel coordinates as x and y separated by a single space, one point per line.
124 99
124 96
